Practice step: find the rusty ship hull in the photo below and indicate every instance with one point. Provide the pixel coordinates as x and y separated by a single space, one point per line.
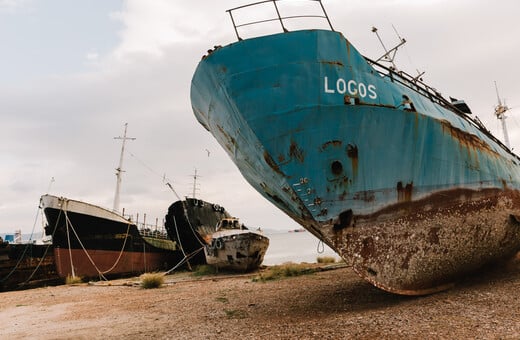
404 185
90 241
241 251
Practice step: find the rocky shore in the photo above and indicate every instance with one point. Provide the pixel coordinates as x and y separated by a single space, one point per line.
330 304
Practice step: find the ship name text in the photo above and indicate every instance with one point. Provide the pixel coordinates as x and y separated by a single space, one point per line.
351 86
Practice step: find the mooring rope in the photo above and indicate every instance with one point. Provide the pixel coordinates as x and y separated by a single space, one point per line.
197 235
322 247
100 273
25 251
185 259
67 221
45 252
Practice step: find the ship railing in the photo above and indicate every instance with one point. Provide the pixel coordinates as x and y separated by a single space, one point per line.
148 229
152 231
278 17
415 84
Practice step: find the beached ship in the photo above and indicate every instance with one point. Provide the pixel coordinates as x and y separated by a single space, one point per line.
407 186
91 241
234 247
190 222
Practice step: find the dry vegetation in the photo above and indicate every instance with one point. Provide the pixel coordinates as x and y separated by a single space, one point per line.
71 280
152 280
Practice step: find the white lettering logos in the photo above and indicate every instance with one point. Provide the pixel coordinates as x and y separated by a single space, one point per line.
353 88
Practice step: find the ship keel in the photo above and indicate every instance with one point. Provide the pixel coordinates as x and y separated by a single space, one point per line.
425 246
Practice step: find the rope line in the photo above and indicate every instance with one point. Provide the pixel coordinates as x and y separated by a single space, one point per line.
100 273
197 235
44 253
25 251
185 259
322 247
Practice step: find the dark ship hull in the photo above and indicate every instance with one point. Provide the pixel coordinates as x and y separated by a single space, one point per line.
190 223
90 241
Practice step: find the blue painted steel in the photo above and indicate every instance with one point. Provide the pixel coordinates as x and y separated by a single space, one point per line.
277 105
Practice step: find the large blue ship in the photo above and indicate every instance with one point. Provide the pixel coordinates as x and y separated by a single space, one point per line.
407 186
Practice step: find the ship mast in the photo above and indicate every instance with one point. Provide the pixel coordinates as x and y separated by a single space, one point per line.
119 169
194 183
500 112
389 55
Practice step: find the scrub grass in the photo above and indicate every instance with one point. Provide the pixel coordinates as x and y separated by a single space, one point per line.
325 259
284 270
72 280
152 280
204 269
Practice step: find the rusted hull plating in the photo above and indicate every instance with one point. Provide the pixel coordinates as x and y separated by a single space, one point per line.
239 252
412 196
422 248
96 262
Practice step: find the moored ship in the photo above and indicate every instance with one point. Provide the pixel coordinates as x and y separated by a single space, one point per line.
190 222
90 241
406 186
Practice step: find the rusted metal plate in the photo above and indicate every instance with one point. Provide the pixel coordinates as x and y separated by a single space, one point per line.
425 246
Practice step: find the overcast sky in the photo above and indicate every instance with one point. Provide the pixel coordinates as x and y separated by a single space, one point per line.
73 72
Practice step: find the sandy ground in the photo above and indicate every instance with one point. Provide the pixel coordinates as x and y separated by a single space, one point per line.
332 304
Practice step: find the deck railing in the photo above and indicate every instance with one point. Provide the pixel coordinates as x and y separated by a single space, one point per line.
280 18
416 84
148 229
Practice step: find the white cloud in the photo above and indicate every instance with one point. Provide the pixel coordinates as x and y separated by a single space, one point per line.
92 56
152 25
11 4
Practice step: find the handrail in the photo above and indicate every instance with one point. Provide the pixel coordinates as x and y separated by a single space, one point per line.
433 95
278 17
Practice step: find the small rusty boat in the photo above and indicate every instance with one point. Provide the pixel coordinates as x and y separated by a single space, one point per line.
234 247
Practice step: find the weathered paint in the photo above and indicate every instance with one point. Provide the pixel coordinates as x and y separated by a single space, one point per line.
418 193
236 250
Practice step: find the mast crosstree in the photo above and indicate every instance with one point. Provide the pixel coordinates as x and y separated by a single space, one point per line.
119 169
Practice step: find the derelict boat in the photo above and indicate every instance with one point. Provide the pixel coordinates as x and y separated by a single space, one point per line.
406 186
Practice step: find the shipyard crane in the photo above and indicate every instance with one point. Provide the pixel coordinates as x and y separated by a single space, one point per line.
500 112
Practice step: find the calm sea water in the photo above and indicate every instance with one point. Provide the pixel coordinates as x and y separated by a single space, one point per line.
295 247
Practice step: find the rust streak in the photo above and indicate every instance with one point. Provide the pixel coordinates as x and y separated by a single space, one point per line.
352 153
272 164
468 140
332 62
335 143
296 152
404 194
230 141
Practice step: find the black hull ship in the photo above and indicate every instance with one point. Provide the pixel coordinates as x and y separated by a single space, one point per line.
190 223
90 241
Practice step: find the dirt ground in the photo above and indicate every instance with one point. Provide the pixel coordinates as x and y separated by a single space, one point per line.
332 304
